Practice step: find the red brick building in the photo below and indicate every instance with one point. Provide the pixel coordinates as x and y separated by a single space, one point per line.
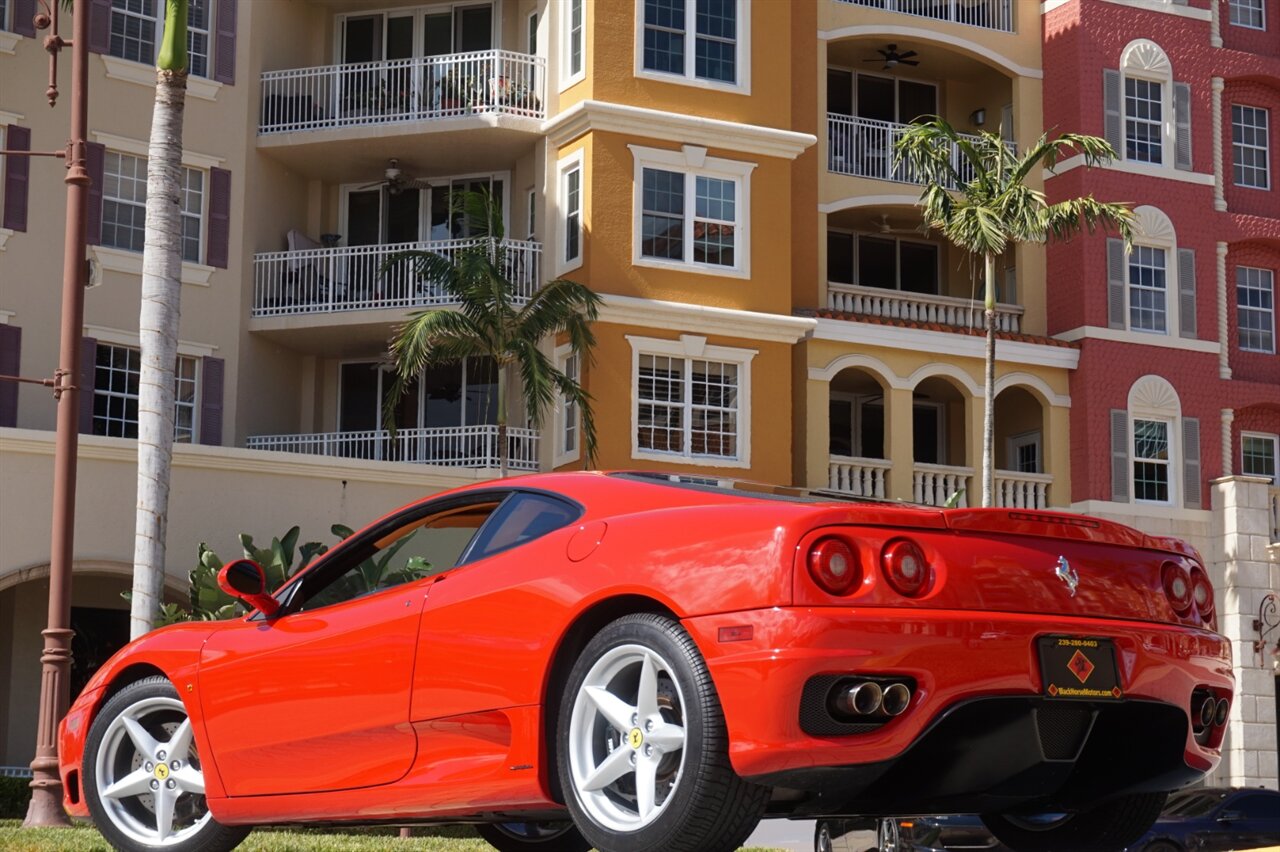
1175 406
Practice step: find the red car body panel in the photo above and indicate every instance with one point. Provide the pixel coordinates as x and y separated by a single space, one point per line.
430 699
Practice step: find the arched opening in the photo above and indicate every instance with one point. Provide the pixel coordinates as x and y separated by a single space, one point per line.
1021 480
856 416
939 442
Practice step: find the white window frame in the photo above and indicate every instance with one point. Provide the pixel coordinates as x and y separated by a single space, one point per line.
1274 440
531 212
1262 14
1155 230
194 352
692 161
693 347
569 77
1025 439
1268 275
1265 147
566 166
531 24
158 17
6 10
1172 435
568 419
1170 276
742 51
1160 125
202 216
1143 59
857 402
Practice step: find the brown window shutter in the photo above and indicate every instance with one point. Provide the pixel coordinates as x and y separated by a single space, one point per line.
10 365
88 373
224 42
23 13
1119 455
100 26
17 172
219 233
95 157
212 379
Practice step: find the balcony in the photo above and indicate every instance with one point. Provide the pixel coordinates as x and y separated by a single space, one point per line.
934 484
919 308
452 446
987 14
367 94
863 147
353 278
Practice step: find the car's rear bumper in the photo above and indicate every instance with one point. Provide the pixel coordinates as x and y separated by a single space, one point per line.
977 697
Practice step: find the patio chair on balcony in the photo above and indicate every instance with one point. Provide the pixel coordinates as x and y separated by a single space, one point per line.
306 281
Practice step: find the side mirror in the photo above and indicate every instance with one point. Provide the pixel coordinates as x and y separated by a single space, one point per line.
245 580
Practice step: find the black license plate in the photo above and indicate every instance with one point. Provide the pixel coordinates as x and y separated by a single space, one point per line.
1079 668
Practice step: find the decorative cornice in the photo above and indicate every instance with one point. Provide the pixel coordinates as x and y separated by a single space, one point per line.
587 116
704 319
946 343
141 74
130 263
7 117
139 148
1138 338
1144 169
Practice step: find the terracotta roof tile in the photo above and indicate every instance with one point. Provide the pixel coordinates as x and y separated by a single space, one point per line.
950 329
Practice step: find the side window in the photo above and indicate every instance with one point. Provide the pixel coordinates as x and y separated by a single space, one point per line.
1257 806
421 547
521 518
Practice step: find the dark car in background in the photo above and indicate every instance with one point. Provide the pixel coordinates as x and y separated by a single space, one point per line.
1215 819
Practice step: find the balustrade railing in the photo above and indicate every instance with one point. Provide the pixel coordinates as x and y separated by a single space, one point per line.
934 484
988 14
449 446
858 476
371 93
918 307
352 278
863 147
1014 490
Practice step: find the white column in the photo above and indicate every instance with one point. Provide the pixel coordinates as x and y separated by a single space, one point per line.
1219 196
1228 416
1215 24
1224 347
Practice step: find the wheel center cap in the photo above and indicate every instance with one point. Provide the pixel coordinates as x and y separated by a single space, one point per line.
635 739
162 771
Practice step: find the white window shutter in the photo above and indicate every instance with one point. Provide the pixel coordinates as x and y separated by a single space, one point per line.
1117 280
1191 462
1182 126
1187 293
1113 127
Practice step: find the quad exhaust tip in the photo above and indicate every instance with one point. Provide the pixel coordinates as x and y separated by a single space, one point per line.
1208 712
1220 714
868 698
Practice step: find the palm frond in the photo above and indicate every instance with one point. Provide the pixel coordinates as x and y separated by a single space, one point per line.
925 151
976 229
556 306
573 392
536 375
1065 219
434 337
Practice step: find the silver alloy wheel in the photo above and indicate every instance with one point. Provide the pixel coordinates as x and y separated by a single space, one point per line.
627 738
148 773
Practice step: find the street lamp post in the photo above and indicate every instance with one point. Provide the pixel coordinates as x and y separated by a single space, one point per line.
46 786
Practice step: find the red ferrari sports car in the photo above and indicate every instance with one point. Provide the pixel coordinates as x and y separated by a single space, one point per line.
651 662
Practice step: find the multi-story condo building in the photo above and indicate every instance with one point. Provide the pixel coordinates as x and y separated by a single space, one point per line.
719 171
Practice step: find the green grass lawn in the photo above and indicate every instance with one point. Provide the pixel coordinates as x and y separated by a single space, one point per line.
14 838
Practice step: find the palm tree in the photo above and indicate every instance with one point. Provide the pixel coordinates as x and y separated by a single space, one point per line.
158 320
489 324
986 212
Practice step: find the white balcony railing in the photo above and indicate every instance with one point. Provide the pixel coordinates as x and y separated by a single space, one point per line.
988 14
863 147
918 307
858 476
934 484
451 446
1015 490
352 278
372 93
1275 515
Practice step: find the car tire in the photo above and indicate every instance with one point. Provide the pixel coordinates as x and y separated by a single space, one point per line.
530 836
1113 825
141 770
642 749
822 837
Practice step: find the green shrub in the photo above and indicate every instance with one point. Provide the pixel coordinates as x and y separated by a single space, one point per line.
14 795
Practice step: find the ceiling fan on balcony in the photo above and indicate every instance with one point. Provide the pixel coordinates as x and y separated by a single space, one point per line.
892 58
884 227
395 180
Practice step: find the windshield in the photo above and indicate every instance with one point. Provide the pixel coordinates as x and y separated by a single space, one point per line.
1194 803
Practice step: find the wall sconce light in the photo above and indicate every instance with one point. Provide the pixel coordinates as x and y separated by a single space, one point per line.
978 117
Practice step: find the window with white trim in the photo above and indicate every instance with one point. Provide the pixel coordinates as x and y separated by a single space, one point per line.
1143 120
571 187
1256 308
1258 452
691 210
1152 462
1024 452
138 25
1250 147
716 28
568 426
4 15
117 372
124 205
573 42
1148 289
691 401
1248 13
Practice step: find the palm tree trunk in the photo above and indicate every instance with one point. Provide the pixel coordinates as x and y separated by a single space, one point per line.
989 388
502 420
158 323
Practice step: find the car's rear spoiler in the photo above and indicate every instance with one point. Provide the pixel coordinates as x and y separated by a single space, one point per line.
1061 525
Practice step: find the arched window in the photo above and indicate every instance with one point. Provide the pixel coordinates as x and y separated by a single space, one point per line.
1155 451
1152 289
1148 114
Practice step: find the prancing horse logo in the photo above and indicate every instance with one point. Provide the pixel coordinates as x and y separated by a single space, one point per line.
1067 574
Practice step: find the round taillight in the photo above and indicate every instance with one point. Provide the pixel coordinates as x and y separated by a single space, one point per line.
1202 594
1177 587
833 565
905 567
